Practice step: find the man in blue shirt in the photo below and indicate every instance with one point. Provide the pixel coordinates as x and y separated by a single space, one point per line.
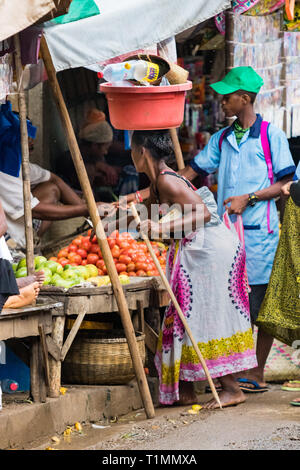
244 188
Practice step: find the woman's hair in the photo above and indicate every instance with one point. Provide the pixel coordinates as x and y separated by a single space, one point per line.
159 143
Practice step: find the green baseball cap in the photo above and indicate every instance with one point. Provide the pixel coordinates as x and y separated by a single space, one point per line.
239 78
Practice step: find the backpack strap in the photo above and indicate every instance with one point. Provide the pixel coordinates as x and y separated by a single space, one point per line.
221 139
268 157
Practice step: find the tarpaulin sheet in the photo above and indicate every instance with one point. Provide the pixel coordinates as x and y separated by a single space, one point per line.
122 27
16 15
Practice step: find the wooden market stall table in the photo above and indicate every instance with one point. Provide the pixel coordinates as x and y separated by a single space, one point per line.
33 323
140 293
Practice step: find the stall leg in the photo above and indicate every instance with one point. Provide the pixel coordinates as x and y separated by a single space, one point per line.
34 370
55 366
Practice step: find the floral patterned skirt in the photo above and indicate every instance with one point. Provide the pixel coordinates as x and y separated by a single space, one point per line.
280 311
207 275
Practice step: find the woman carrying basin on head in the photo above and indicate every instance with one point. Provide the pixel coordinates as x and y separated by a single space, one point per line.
206 271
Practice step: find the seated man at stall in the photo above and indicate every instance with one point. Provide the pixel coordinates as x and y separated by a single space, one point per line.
51 199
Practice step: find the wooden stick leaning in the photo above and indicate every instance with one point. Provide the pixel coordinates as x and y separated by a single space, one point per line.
25 160
101 237
176 305
177 149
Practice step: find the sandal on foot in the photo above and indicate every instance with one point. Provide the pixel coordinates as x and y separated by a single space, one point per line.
256 389
218 389
292 389
295 402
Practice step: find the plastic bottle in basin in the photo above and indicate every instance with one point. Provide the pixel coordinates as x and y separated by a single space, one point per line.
140 70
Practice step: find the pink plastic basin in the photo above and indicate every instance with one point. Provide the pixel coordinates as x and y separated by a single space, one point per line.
145 108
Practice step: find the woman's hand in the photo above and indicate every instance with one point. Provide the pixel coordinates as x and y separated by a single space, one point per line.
148 227
285 190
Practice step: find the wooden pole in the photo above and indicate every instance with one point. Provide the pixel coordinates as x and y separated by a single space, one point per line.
101 237
177 149
25 160
229 37
58 324
176 305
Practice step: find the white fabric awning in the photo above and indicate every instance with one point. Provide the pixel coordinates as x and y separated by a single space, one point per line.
124 26
16 15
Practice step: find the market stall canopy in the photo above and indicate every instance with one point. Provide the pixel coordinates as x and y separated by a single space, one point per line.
112 28
17 15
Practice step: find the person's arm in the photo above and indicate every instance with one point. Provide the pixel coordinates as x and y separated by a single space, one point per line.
239 203
68 195
3 223
195 212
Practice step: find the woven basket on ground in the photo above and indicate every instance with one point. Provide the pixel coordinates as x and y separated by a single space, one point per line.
100 358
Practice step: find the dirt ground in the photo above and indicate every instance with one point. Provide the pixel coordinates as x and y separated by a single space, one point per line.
266 421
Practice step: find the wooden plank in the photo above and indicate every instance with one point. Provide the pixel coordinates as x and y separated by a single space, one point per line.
34 370
42 374
55 366
45 353
71 335
140 309
53 349
151 338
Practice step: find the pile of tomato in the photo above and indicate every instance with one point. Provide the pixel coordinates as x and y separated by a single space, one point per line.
131 257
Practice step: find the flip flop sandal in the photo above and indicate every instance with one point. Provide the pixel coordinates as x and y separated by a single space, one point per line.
292 389
295 403
218 389
256 389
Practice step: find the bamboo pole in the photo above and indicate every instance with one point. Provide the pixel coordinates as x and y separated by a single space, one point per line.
176 305
177 149
101 237
25 160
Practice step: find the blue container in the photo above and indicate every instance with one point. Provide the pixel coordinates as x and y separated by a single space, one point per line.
15 369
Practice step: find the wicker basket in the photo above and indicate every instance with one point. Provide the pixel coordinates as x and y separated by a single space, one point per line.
100 358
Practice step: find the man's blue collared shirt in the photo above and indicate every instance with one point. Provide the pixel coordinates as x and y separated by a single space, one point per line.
242 169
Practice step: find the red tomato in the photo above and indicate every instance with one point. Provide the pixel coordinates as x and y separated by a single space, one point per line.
115 251
120 267
63 253
72 248
141 266
86 245
95 249
82 253
150 273
141 273
131 273
100 263
130 267
111 243
63 261
100 272
124 244
124 272
77 259
104 270
92 258
76 241
84 262
53 258
124 259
